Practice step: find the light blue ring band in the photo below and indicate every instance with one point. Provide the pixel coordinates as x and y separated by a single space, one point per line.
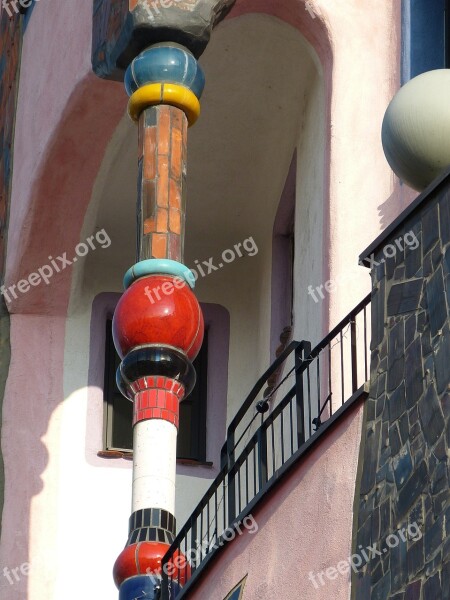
158 266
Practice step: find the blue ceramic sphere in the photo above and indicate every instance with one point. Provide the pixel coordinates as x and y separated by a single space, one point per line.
165 63
143 586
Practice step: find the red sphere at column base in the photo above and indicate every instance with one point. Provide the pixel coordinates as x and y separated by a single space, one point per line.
158 309
144 558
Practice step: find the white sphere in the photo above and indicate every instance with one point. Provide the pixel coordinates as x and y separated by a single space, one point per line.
416 129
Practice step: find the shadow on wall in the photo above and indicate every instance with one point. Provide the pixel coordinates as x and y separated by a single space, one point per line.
47 221
400 198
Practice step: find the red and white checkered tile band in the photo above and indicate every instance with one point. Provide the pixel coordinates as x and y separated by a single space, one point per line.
160 383
160 403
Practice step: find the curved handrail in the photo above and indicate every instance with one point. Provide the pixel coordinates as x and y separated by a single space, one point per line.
229 446
231 466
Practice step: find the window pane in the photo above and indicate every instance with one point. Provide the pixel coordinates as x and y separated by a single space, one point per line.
184 449
122 416
191 441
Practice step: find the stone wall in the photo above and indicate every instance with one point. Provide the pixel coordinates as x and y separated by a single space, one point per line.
123 28
10 37
404 461
10 41
108 37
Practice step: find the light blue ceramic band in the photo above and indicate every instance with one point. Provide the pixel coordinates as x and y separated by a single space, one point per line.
158 266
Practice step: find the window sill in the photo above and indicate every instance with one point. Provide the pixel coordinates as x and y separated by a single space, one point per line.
190 462
128 455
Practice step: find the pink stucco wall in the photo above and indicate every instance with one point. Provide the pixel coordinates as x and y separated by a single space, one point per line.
33 392
65 119
305 525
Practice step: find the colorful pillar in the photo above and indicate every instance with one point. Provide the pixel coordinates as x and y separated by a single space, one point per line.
158 324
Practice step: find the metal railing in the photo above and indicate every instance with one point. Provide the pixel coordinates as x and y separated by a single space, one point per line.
267 436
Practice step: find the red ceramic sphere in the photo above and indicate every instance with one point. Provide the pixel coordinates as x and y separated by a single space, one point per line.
158 309
144 558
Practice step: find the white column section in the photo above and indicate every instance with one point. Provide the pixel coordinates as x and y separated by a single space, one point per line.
154 465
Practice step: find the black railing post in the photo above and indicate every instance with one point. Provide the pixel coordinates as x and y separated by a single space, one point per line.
223 456
261 443
354 351
301 353
231 479
230 445
164 581
231 498
194 542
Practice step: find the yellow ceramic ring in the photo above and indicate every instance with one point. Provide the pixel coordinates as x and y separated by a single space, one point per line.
164 93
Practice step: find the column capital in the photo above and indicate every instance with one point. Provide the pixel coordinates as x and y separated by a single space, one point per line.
123 28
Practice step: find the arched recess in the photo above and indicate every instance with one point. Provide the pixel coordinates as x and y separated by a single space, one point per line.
306 16
264 81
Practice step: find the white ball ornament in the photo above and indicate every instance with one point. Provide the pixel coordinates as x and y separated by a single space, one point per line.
416 129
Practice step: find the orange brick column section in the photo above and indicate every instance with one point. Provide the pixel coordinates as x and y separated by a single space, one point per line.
161 183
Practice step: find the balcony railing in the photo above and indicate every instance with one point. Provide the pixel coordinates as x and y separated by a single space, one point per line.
271 430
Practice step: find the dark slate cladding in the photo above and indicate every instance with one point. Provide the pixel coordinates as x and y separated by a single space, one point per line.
435 296
396 357
404 297
430 228
377 314
403 483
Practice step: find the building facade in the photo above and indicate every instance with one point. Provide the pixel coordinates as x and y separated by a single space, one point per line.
287 184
